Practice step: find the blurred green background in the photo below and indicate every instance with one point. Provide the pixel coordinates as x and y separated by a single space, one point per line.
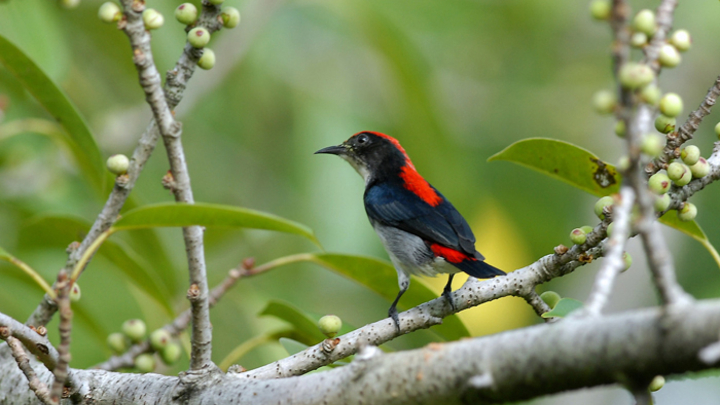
455 81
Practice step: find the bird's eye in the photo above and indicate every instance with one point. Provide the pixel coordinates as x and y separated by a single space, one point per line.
362 139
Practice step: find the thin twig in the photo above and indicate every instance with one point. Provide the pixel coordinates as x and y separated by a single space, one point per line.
540 307
38 387
170 130
615 247
181 322
686 131
63 285
174 89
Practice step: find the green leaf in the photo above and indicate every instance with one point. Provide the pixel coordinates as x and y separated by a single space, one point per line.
692 229
563 161
77 133
176 214
581 169
381 277
563 308
304 324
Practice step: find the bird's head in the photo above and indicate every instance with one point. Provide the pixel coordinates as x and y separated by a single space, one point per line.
372 154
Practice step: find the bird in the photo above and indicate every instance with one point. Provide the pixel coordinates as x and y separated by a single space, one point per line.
420 229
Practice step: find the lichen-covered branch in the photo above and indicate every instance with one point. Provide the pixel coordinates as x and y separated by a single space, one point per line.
170 130
512 366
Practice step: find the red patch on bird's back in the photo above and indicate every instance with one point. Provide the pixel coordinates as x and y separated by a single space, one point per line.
451 255
412 180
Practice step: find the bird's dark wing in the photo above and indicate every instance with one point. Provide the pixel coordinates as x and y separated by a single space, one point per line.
396 206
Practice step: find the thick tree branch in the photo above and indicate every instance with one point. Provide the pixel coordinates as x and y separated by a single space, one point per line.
511 366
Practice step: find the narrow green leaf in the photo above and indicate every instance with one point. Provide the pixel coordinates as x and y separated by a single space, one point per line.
563 308
77 133
5 255
563 161
302 322
693 230
174 214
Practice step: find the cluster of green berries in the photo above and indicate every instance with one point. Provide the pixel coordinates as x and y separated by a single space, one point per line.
161 342
187 14
679 172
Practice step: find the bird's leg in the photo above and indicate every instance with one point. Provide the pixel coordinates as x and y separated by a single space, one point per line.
447 291
404 283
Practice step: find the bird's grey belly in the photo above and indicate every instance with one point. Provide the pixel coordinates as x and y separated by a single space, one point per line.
410 253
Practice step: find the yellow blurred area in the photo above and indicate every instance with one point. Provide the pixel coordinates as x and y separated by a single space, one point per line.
505 248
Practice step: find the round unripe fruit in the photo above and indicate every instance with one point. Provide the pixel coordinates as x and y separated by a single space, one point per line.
216 2
207 60
159 339
578 236
610 228
117 342
145 363
69 4
688 212
652 145
681 40
685 179
690 155
186 13
644 22
118 164
600 9
638 39
330 325
604 101
659 183
620 129
669 56
109 12
656 383
623 163
671 105
134 329
650 94
676 170
603 202
75 293
635 75
198 37
700 169
170 354
152 19
627 260
551 298
230 17
665 124
662 202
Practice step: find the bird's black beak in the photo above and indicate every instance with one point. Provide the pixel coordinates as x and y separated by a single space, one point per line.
334 150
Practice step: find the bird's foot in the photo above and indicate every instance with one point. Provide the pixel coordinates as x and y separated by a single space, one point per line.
447 294
393 314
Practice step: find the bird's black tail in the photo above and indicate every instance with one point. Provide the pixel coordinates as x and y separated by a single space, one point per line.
479 269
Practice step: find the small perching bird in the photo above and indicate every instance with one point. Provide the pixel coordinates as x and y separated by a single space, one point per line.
421 230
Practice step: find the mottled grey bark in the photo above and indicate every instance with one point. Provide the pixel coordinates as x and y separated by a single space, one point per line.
515 365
